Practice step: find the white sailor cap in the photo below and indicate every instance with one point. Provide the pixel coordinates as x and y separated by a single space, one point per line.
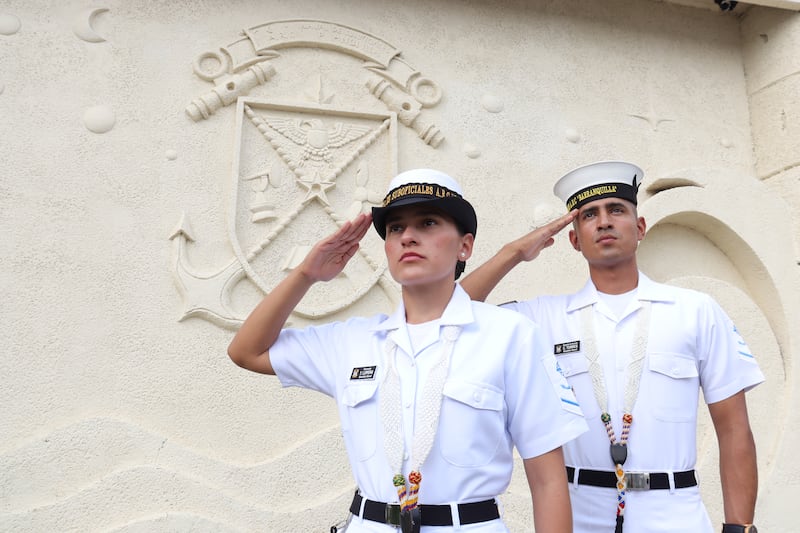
602 179
424 185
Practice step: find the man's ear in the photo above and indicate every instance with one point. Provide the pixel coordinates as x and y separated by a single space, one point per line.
573 239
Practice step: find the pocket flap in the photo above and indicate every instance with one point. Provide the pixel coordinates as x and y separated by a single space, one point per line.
356 393
570 365
478 396
674 365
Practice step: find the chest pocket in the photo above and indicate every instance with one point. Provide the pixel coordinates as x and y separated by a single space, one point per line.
358 411
673 386
472 423
575 368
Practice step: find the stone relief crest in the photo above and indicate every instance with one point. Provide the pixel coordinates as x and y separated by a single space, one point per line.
300 169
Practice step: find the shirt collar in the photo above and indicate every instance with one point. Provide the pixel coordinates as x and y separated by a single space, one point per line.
654 292
647 289
458 312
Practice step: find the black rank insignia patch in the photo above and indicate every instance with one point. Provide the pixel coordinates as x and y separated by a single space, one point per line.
567 347
363 372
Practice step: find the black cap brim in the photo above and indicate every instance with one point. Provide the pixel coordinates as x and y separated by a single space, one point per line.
459 209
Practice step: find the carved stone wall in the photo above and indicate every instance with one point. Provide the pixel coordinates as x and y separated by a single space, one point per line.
166 163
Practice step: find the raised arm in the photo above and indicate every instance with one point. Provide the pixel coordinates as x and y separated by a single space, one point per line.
250 347
737 458
480 282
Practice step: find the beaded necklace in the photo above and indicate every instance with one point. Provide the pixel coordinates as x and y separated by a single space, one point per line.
425 424
618 448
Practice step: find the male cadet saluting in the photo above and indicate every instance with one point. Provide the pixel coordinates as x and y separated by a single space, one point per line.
636 352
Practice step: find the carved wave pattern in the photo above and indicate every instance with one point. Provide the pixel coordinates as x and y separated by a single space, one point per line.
103 474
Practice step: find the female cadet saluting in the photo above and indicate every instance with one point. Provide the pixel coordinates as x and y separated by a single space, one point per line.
432 398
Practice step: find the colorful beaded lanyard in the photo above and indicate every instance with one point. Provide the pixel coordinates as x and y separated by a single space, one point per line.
619 448
426 419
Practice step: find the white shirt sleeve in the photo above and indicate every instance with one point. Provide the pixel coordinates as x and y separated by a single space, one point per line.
727 364
543 412
307 357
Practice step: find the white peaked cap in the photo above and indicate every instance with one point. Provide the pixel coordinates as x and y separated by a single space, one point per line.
424 175
598 180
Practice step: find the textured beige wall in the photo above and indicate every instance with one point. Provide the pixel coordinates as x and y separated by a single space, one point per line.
135 238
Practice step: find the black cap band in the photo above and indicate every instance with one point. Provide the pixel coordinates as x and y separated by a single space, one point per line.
432 194
603 190
418 191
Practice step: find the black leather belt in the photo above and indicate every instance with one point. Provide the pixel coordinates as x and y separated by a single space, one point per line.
432 515
635 480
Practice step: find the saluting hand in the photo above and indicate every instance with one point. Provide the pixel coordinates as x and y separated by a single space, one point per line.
330 255
529 245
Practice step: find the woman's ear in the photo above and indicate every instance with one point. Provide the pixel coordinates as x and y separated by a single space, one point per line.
465 252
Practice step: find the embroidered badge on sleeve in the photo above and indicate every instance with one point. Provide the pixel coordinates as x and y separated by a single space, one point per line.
742 348
563 389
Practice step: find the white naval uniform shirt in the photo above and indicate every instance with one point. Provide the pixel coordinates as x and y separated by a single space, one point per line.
691 343
502 389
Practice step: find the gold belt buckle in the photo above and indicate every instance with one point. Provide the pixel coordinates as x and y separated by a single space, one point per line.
637 480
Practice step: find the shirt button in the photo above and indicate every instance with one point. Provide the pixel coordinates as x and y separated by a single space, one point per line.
477 396
408 405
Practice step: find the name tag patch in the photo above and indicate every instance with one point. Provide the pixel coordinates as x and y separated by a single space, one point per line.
363 372
567 347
